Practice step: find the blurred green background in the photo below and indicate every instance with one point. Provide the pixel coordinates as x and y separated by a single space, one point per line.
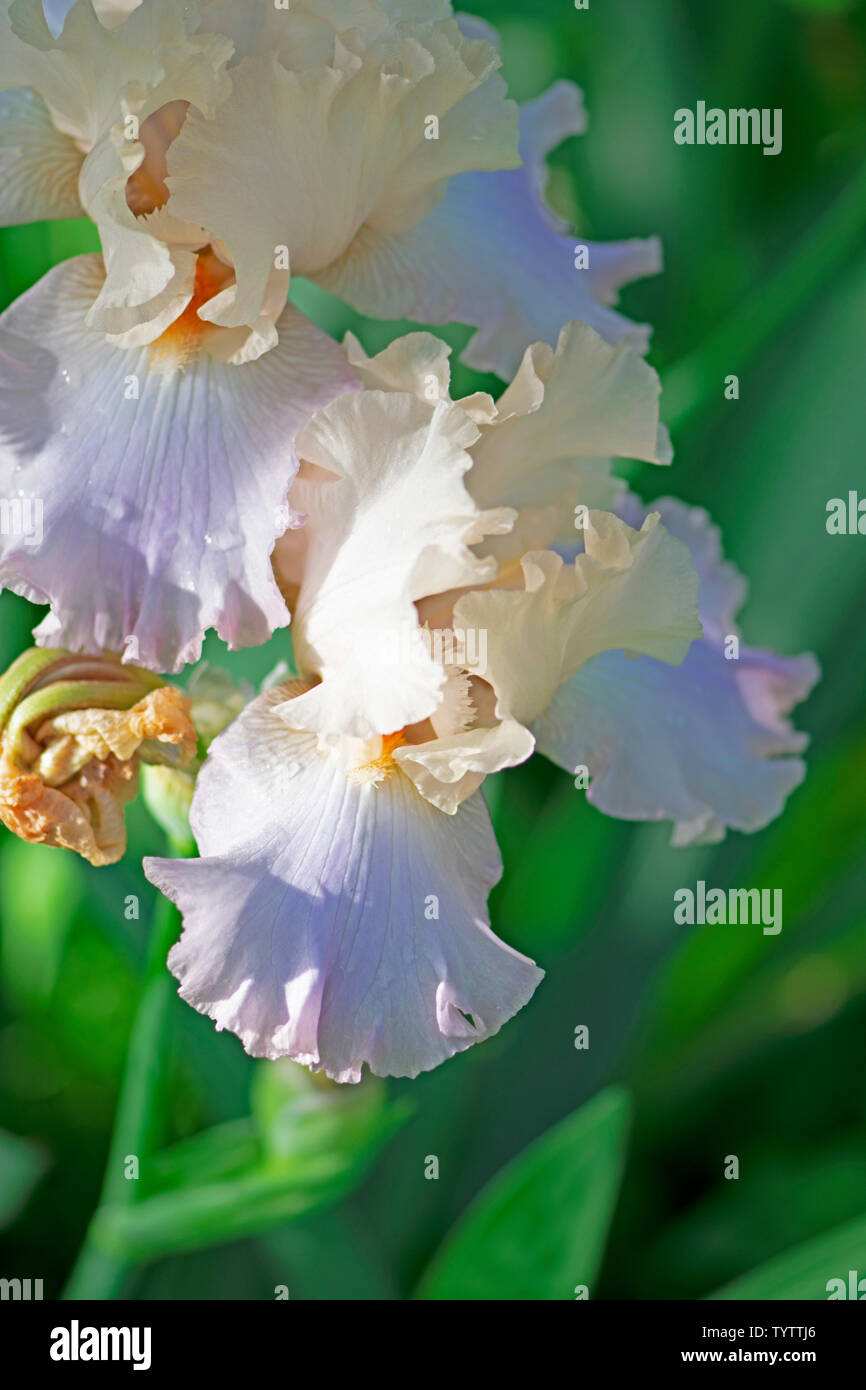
729 1042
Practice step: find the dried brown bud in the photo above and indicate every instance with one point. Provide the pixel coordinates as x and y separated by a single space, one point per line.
73 732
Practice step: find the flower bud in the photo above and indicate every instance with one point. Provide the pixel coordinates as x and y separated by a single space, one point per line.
73 732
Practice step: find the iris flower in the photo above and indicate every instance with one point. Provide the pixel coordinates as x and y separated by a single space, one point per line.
447 623
151 395
337 914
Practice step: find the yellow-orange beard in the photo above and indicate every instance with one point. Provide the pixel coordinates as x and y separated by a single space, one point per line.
379 768
184 338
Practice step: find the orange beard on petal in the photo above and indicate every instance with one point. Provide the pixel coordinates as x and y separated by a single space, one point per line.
381 767
184 338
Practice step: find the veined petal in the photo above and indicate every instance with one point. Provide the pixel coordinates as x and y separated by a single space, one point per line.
334 923
491 255
321 152
394 525
161 495
39 167
706 744
631 590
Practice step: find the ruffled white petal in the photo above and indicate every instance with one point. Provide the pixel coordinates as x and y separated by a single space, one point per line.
449 769
631 590
39 167
333 923
99 86
160 512
389 521
547 444
416 363
491 255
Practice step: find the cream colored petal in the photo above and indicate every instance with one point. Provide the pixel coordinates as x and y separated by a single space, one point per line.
632 590
564 413
417 363
39 167
420 364
90 75
147 284
100 85
321 152
304 34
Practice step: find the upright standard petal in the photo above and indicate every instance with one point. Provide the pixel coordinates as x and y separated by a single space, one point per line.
303 34
389 521
564 414
343 147
706 744
335 923
549 447
90 73
633 591
103 88
160 494
492 255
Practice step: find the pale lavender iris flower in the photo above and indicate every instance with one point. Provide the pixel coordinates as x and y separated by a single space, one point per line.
337 914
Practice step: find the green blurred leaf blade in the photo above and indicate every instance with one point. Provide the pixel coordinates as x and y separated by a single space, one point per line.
539 1228
805 1271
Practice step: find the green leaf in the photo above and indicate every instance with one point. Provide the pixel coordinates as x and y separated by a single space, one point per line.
823 6
717 998
805 1271
217 1153
247 1204
21 1166
40 891
539 1229
29 251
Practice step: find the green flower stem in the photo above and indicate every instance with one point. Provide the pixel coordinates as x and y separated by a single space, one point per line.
699 377
98 1274
56 699
21 674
